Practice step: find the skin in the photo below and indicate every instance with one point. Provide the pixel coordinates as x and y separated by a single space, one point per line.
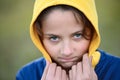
64 41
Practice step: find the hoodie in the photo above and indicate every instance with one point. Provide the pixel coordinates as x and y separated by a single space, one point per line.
85 6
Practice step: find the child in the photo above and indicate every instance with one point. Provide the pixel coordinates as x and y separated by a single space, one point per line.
66 32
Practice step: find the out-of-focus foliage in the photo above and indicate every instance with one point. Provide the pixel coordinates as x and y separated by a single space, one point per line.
16 47
109 21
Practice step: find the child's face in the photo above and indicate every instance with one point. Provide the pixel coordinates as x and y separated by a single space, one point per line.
63 38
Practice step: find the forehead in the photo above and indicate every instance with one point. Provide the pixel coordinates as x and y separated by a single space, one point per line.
61 16
61 21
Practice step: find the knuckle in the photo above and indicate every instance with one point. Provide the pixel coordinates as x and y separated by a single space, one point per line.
87 77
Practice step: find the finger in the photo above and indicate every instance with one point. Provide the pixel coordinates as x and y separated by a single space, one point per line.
94 76
58 73
74 72
90 58
51 71
79 71
67 78
86 66
64 75
45 70
70 74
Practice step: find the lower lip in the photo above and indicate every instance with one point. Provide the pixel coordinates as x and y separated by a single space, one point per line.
67 60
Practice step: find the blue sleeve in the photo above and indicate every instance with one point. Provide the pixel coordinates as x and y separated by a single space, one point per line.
19 76
108 67
32 70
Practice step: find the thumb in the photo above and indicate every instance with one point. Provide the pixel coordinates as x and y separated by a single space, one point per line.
45 70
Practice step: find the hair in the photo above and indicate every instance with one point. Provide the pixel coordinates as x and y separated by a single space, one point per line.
79 16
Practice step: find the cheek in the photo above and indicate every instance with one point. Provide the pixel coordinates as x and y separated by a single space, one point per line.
83 46
51 49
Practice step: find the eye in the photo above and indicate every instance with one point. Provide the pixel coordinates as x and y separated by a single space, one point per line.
54 38
77 35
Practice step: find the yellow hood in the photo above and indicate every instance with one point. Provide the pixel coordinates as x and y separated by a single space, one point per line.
86 6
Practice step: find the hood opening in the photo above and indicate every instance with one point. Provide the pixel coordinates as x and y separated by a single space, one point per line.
88 9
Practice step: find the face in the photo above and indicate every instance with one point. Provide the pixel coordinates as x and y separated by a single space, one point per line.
63 38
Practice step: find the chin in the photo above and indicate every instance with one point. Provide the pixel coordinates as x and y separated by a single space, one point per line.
68 65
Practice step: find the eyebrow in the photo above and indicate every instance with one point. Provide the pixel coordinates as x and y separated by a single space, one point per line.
52 34
77 32
80 31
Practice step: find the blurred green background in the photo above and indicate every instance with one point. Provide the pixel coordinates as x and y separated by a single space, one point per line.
16 47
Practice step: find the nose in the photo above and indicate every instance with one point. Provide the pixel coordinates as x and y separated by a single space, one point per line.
66 49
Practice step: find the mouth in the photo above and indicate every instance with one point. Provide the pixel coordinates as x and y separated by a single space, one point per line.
67 59
67 62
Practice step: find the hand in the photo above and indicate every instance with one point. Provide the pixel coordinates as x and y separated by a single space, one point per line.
83 70
54 72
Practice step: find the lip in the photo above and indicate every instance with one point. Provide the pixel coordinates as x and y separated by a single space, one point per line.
67 59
